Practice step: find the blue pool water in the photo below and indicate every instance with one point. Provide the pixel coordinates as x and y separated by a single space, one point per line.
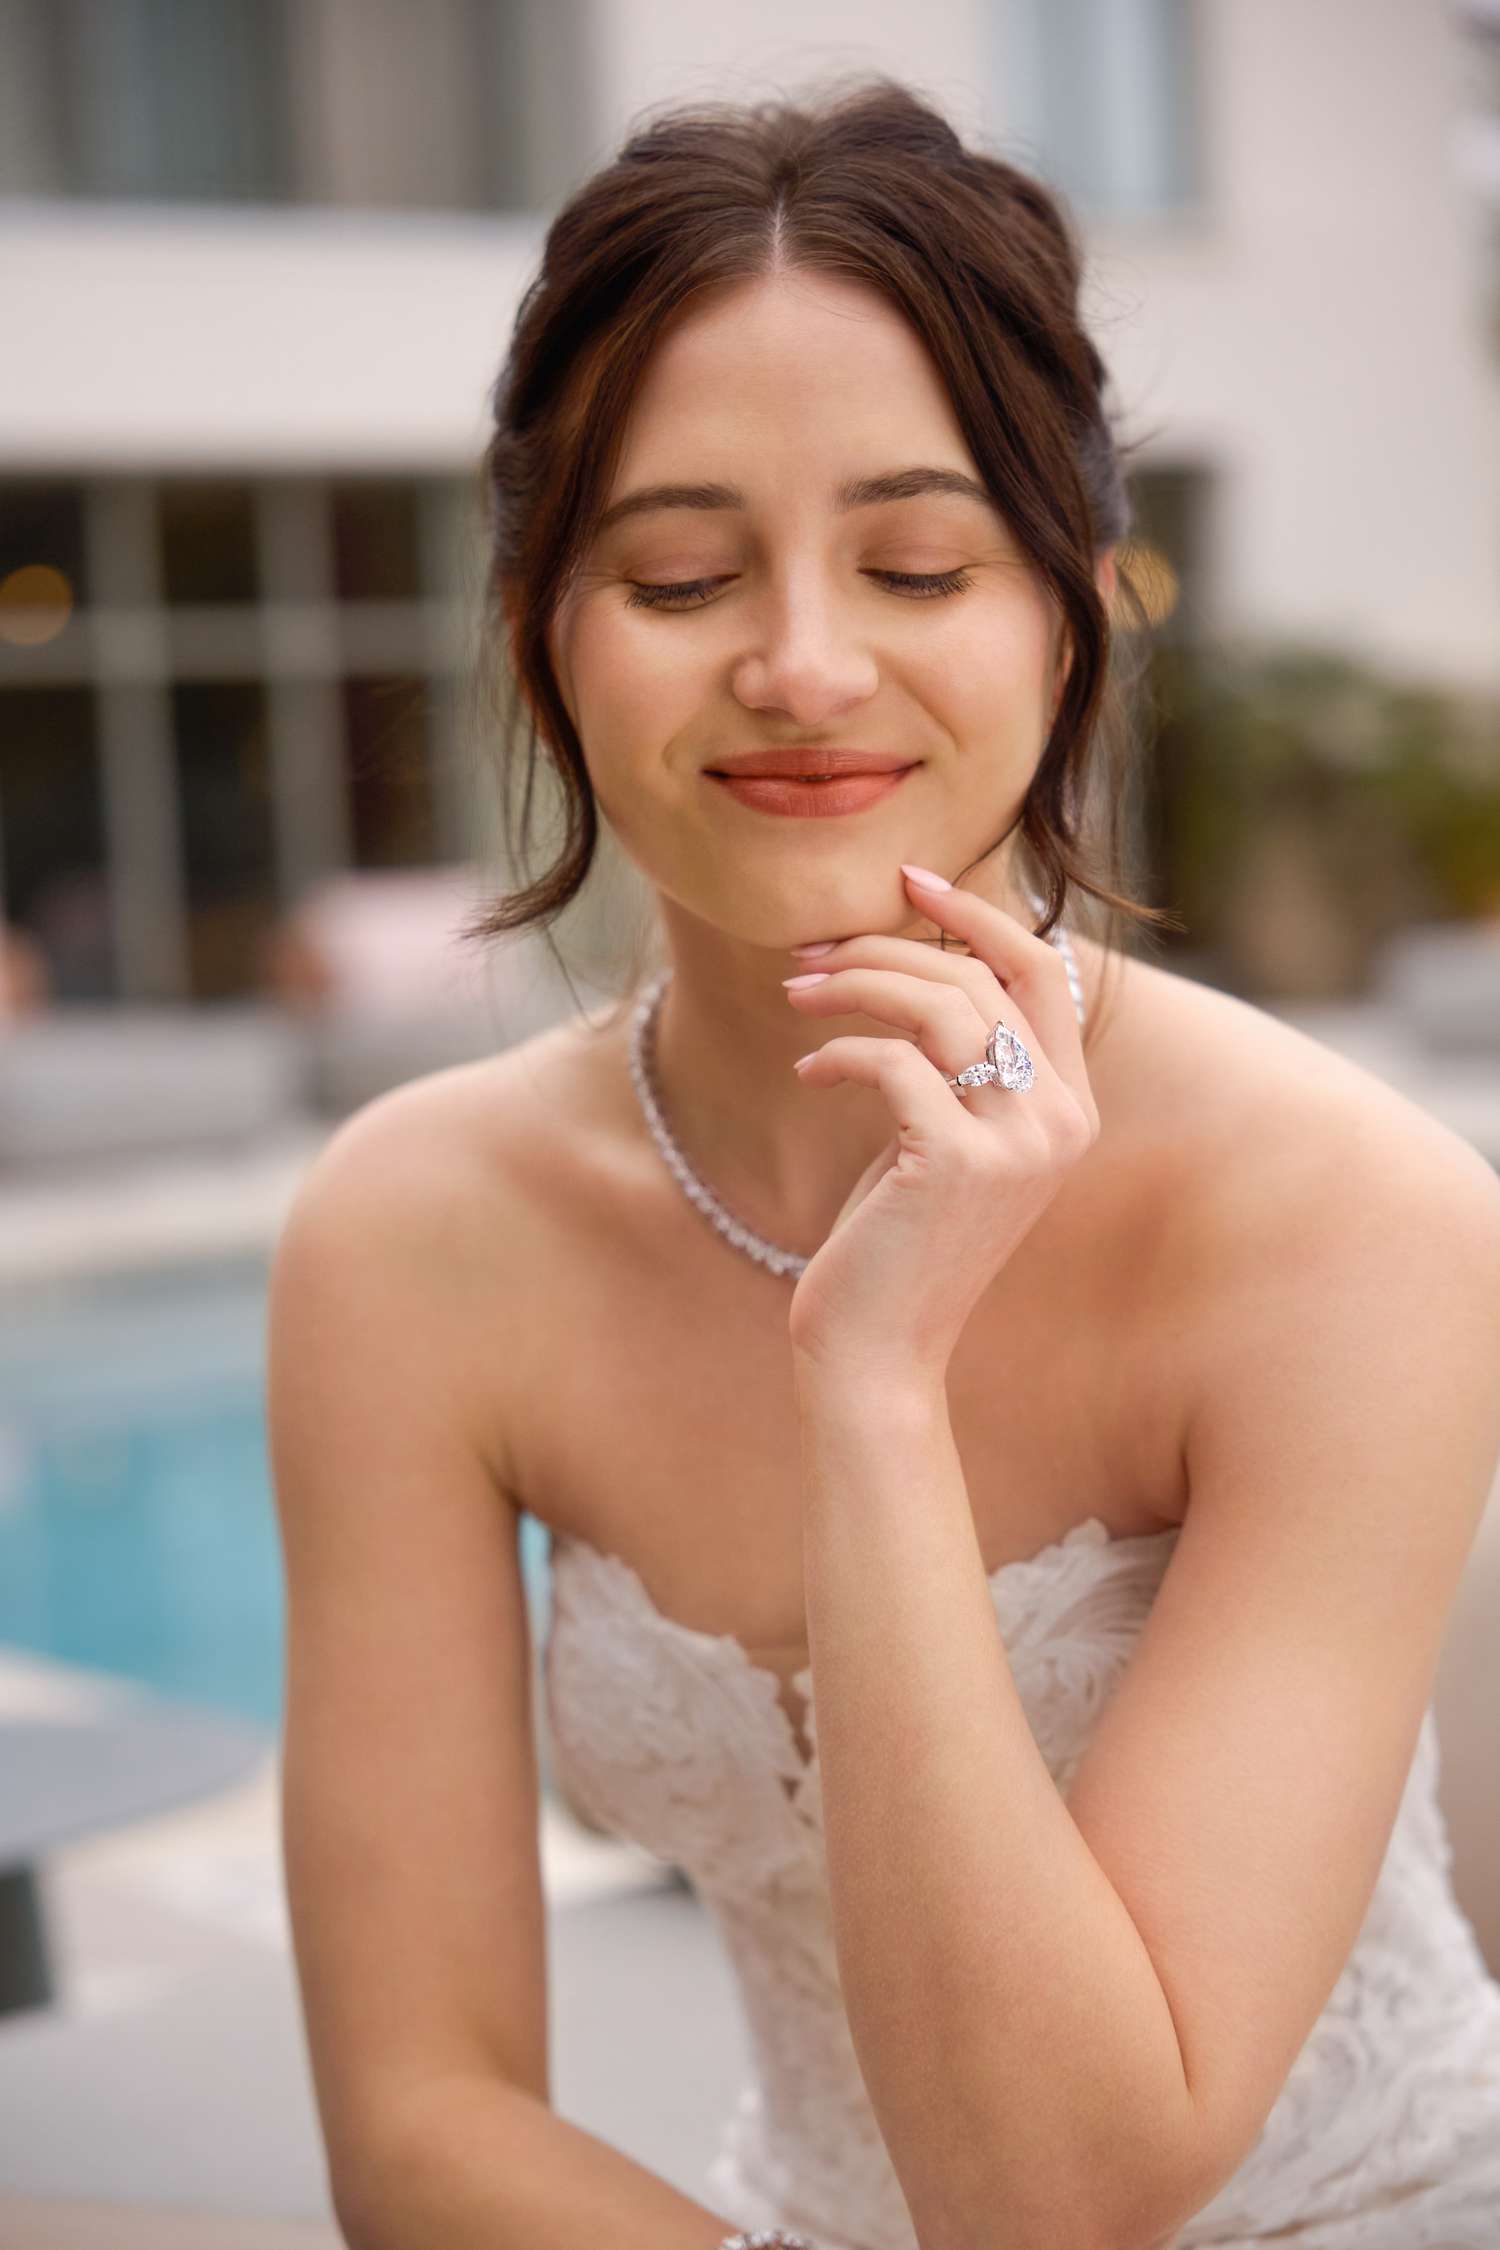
137 1524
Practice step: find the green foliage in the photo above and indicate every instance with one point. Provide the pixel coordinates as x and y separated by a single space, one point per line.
1383 774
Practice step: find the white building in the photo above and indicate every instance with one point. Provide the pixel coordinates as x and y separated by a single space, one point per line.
259 260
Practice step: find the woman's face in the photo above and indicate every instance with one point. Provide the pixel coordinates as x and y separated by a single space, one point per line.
809 630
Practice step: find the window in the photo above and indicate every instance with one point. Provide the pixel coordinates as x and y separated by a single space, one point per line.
224 816
381 104
385 729
41 527
375 540
214 691
207 532
173 99
1099 96
1172 506
1477 132
53 877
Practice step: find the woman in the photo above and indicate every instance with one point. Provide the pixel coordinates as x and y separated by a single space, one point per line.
1070 1385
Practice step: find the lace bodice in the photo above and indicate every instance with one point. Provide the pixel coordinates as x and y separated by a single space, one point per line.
1386 2135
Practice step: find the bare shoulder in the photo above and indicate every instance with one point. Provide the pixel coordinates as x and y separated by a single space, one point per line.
1291 1108
1240 1096
1292 1174
438 1201
461 1142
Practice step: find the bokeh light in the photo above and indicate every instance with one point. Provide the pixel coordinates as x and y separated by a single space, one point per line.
36 602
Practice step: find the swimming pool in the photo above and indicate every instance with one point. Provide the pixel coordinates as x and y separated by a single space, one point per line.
137 1524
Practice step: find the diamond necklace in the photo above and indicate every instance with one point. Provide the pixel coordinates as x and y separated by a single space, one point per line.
643 1078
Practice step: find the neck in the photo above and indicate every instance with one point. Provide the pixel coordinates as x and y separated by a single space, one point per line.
781 1155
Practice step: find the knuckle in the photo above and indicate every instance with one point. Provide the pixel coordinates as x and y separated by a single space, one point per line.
1077 1128
958 1013
900 1059
985 990
1040 1145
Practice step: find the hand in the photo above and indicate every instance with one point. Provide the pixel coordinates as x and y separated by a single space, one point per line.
936 1215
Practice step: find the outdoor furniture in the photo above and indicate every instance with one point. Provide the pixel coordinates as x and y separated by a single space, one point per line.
30 2225
1442 980
1466 1708
64 1778
366 986
384 990
197 2094
83 1083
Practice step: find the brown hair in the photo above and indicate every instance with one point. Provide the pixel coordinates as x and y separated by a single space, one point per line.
871 184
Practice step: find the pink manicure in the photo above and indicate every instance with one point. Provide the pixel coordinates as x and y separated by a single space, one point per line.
822 945
818 976
924 878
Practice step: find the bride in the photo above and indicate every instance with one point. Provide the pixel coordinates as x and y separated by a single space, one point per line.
1011 1420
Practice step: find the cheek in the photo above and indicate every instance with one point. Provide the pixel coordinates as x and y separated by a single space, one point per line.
634 686
629 705
993 676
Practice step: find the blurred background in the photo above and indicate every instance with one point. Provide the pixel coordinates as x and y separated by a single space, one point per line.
259 261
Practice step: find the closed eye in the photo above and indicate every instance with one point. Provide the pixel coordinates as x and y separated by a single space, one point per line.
690 593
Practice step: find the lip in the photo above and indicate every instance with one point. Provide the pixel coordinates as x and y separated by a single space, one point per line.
796 759
812 800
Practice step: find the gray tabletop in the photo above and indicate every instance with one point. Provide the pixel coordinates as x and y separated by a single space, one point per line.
65 1778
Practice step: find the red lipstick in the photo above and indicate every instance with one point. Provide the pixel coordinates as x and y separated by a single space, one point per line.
811 783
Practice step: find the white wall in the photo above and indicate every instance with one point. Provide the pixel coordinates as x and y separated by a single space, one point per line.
677 49
178 339
1315 334
1323 336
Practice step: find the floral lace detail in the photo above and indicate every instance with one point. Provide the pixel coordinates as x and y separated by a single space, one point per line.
1386 2135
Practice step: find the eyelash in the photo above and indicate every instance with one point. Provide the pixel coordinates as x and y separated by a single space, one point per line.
672 596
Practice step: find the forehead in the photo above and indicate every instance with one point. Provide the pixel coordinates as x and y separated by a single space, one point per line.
783 371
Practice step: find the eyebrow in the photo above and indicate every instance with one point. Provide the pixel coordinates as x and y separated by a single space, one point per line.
854 492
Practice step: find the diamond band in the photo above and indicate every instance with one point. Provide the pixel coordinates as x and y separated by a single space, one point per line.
766 2238
1007 1063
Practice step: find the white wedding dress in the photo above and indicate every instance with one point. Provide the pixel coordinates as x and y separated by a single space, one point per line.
1386 2135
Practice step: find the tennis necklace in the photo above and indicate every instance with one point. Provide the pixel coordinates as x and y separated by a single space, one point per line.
643 1078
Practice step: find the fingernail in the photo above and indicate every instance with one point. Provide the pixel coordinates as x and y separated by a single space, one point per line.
815 976
801 1059
924 878
823 945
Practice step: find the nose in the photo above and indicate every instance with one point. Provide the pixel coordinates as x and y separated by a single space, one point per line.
807 658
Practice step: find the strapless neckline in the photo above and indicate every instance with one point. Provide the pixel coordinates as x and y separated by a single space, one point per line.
1092 1532
1387 2129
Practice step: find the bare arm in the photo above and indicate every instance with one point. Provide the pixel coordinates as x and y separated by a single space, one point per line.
410 1790
1016 2041
472 2163
1075 2015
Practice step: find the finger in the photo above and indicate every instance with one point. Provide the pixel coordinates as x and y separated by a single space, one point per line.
940 1016
942 963
1030 968
912 1087
950 1031
922 957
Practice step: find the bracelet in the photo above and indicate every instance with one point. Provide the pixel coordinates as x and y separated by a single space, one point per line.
766 2238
